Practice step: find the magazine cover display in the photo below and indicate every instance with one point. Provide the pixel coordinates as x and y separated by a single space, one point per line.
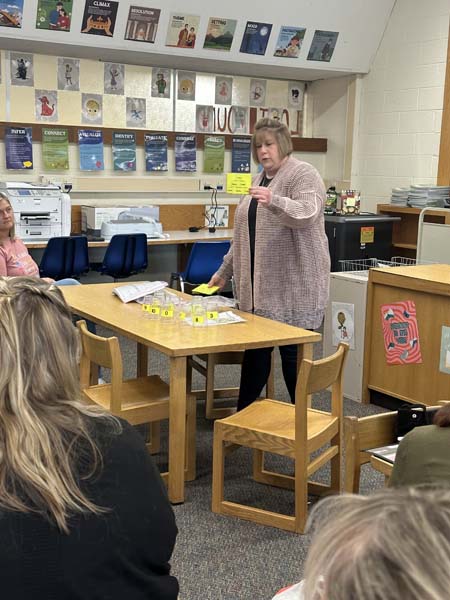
99 17
124 150
255 38
54 15
55 148
323 45
142 24
241 155
19 147
90 145
289 42
220 34
182 31
11 14
213 154
185 153
155 152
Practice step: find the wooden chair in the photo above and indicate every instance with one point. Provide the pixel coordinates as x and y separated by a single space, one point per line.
206 368
287 430
141 400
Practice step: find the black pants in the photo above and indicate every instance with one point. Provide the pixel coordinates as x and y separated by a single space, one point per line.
256 369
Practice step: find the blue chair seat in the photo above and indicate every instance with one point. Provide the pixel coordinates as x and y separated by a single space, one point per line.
125 255
204 260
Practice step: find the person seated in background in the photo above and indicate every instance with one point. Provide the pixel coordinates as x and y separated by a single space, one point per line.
84 512
390 545
423 455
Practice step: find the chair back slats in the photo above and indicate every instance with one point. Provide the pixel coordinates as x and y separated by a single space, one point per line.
65 257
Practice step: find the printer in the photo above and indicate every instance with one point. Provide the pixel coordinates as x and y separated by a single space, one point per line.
132 222
40 211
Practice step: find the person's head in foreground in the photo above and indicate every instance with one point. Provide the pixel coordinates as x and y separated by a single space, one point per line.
392 545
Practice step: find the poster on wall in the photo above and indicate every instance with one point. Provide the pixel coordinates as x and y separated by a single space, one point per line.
185 153
289 42
55 149
343 323
68 74
239 119
241 154
53 15
296 92
136 112
322 46
204 118
155 152
224 90
142 24
257 92
11 14
113 78
275 112
124 150
401 333
186 85
220 33
91 109
22 71
99 17
90 144
161 82
213 154
255 38
46 105
444 361
18 148
182 30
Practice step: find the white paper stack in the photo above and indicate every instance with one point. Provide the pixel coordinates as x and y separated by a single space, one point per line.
134 291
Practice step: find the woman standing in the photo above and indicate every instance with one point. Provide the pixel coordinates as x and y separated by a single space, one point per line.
279 257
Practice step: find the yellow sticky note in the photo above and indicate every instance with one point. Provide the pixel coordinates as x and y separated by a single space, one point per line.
204 289
238 183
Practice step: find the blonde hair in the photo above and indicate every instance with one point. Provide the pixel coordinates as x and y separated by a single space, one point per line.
46 446
12 231
278 130
389 545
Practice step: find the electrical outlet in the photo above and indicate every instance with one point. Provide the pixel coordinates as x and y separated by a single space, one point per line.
206 183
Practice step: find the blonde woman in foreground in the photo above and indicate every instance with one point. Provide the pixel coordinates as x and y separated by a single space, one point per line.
390 545
83 510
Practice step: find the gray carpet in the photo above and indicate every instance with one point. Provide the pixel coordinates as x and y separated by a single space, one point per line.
223 558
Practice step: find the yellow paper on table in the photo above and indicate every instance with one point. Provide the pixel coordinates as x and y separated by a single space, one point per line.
238 183
204 289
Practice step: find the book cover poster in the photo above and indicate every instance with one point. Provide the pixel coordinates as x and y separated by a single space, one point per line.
99 17
55 148
124 150
289 42
444 362
182 31
54 15
46 105
186 85
322 46
401 333
343 323
114 78
91 109
224 90
69 74
136 112
22 71
155 152
257 92
11 14
18 148
185 153
220 33
238 121
213 154
161 82
241 149
255 38
296 92
204 118
142 24
90 144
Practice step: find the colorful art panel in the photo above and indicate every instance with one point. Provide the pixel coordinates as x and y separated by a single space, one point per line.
401 333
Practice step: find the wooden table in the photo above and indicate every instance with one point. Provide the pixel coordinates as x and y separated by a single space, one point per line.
383 466
97 303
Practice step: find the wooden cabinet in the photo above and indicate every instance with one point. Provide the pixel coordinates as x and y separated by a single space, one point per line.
404 233
428 286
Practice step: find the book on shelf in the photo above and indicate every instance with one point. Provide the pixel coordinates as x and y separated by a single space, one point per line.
134 291
386 453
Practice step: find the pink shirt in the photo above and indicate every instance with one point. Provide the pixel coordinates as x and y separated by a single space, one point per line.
15 259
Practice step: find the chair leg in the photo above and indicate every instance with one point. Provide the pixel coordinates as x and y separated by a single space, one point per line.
210 366
335 468
301 498
191 423
270 386
218 469
258 465
154 445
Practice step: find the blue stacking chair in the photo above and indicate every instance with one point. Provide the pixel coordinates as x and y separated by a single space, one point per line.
204 260
65 257
125 255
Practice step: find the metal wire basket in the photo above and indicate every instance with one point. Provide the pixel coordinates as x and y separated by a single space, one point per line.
364 264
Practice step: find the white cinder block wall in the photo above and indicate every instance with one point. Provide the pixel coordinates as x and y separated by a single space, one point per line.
397 131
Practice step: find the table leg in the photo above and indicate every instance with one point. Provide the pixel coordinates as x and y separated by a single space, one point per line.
177 428
142 360
305 351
